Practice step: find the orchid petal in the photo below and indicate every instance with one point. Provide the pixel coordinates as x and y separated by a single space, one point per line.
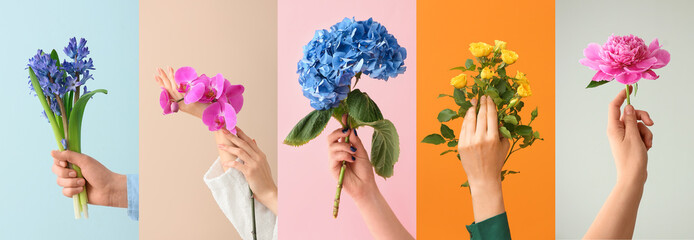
218 84
165 101
185 75
230 118
210 115
194 94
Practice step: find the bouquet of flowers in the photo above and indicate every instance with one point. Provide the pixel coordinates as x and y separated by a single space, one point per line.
224 103
349 50
57 87
489 77
626 59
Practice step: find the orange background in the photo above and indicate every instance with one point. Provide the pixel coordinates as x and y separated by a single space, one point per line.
444 31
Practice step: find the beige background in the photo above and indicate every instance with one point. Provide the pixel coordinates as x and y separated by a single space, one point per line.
235 38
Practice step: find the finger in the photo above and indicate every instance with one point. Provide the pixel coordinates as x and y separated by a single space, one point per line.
62 172
72 157
69 192
240 143
59 163
614 110
355 141
644 117
240 153
70 182
337 134
646 135
630 126
342 147
248 139
170 73
492 119
165 80
468 129
237 165
482 117
342 156
158 79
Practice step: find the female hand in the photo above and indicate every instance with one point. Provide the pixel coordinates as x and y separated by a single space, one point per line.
359 179
482 154
166 79
104 187
254 167
629 139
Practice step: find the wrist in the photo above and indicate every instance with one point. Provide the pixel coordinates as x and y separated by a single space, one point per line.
118 191
632 180
368 194
487 199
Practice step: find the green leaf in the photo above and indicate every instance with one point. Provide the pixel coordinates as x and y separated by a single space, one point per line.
520 105
636 88
453 143
465 184
446 115
511 119
308 128
533 115
470 65
505 133
524 130
385 147
447 132
447 151
461 68
494 94
536 134
57 131
593 84
444 95
459 97
434 139
75 124
505 173
362 108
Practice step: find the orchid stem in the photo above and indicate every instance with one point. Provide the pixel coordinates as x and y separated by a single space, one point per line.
253 214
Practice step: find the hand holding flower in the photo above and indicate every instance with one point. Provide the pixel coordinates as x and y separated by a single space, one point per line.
172 100
630 140
358 179
254 166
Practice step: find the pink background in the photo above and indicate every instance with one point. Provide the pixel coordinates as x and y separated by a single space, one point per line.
306 187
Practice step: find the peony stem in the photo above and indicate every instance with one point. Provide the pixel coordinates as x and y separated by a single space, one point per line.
628 100
336 204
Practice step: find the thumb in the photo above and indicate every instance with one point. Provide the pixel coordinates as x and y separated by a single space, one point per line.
78 159
630 124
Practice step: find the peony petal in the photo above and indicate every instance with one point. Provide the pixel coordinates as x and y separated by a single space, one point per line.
642 66
602 76
663 57
628 78
194 94
650 75
590 63
185 75
592 51
654 45
614 71
165 101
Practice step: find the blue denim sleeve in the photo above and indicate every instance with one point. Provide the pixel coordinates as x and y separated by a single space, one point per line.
133 196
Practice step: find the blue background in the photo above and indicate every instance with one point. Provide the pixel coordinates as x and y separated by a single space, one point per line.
31 204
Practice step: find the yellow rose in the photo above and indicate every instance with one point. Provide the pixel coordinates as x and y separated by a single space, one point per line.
459 81
524 90
487 73
499 45
509 56
480 49
520 78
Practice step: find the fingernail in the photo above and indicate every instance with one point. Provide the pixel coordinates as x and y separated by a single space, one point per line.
353 158
344 130
72 174
629 110
473 101
80 181
352 148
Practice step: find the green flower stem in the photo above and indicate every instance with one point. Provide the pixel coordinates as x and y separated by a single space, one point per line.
626 86
336 204
253 213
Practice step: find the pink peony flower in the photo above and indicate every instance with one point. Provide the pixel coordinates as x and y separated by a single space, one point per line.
166 103
219 115
625 58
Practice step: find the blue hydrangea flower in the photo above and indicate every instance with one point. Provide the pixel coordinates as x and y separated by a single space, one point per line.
334 56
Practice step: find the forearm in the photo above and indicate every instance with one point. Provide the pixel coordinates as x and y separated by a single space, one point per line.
487 199
617 216
118 194
224 156
270 200
380 219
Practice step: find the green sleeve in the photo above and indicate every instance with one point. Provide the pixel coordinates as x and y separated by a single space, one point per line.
490 229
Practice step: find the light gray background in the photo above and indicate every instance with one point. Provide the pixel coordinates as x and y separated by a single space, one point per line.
585 170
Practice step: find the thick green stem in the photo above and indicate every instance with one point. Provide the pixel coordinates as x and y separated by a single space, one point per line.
627 88
336 203
253 214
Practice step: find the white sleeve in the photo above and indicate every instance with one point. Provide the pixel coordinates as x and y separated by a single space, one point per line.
233 196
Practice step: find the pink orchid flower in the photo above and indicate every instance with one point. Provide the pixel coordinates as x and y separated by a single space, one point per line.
184 77
625 58
166 103
233 94
220 115
205 89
